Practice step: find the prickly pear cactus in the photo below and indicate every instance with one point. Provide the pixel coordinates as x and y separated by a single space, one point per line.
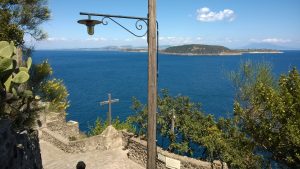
10 72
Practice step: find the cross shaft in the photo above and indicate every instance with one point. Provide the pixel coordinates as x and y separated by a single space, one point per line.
109 102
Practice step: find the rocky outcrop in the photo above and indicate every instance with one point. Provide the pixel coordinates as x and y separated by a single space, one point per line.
19 150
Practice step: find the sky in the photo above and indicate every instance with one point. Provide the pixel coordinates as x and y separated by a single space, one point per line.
232 23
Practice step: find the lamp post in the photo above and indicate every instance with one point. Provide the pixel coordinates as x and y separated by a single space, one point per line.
152 39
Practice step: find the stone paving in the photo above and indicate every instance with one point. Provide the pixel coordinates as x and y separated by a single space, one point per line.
54 158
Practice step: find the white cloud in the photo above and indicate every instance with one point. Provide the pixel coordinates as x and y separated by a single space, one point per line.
228 40
199 38
167 37
56 39
174 40
63 39
171 40
206 15
275 40
271 40
130 39
96 39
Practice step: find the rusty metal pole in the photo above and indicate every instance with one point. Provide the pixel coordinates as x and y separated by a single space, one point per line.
152 85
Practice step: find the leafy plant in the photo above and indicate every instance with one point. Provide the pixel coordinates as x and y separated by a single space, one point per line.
139 118
51 90
196 132
56 92
19 17
100 125
123 125
39 74
17 102
271 116
10 71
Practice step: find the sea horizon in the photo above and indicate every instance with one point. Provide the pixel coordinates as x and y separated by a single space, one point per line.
91 75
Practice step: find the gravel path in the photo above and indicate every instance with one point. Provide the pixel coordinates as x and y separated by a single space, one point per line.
54 158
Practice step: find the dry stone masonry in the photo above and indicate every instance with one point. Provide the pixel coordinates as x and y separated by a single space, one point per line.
138 153
65 136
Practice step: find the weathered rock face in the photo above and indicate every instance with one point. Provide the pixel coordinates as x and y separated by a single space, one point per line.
19 150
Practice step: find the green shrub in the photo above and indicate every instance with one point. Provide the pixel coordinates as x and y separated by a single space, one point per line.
55 91
216 139
99 126
40 73
270 116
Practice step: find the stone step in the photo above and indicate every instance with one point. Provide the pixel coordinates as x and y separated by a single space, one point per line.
54 158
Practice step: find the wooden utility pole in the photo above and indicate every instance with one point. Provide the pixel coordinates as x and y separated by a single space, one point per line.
109 102
152 85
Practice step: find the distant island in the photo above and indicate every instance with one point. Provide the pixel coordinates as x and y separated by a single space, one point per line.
191 49
199 49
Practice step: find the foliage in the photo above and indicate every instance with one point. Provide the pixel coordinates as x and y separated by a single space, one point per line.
40 73
226 143
17 19
197 49
266 119
270 114
56 92
97 128
125 125
139 117
247 76
17 102
100 125
52 90
218 140
187 116
20 17
10 71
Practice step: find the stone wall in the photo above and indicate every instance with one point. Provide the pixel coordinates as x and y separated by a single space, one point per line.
125 138
137 151
109 139
57 122
19 150
68 129
58 132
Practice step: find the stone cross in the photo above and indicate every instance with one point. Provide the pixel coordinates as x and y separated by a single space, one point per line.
109 102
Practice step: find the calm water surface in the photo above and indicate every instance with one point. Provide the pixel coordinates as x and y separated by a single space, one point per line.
91 75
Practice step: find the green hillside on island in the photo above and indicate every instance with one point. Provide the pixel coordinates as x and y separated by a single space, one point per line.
200 49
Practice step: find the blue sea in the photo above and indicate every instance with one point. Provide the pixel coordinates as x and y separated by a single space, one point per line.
91 75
